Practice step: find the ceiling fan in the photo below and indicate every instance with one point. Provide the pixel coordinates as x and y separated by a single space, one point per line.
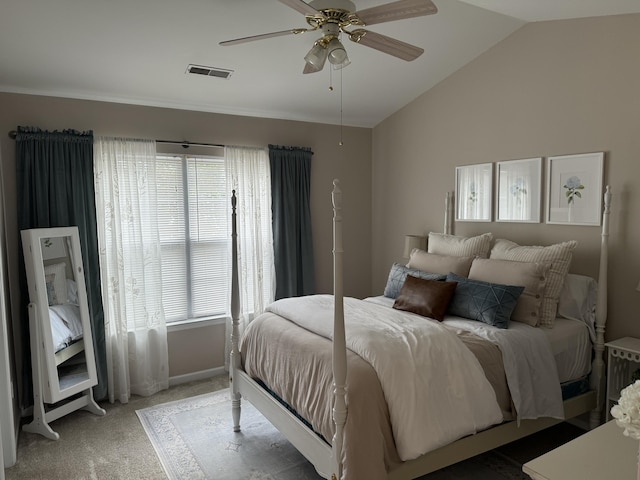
333 17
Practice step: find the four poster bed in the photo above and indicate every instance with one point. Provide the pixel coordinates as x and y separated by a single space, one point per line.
452 388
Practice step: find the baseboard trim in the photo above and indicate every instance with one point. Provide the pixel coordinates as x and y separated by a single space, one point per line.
200 375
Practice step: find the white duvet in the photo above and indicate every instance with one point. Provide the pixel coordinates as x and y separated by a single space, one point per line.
434 386
529 364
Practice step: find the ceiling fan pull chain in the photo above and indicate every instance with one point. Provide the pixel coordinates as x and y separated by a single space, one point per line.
341 125
331 80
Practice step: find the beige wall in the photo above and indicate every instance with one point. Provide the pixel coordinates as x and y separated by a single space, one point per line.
350 163
551 88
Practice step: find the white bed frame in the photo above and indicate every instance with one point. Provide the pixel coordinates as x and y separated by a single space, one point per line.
69 351
326 458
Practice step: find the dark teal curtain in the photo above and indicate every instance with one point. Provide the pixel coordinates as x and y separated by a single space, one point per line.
291 212
55 185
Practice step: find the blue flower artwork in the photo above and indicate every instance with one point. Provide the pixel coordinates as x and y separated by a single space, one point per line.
573 187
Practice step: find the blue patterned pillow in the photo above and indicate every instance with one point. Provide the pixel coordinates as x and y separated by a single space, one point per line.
398 274
490 303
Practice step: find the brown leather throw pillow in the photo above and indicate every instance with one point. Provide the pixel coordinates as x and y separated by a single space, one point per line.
429 298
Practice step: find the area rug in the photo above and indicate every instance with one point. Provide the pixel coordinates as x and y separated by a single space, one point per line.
194 439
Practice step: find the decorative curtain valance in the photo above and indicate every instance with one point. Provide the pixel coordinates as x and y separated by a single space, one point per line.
290 149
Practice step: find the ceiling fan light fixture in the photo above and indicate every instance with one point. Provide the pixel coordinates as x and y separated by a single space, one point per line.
337 54
317 56
339 66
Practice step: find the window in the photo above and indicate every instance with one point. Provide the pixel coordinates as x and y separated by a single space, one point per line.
194 237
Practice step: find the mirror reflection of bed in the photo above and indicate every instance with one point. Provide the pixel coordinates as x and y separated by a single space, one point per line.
59 321
64 311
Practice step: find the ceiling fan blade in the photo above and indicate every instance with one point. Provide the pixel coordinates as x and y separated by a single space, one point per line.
301 7
293 31
385 44
396 11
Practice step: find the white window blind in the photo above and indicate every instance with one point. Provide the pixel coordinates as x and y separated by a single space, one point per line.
192 221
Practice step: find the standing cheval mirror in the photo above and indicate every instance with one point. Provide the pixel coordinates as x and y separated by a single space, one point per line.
62 357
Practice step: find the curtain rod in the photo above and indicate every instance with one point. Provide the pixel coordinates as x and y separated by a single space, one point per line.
190 144
185 144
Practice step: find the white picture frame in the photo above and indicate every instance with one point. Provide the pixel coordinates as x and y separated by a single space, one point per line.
474 192
574 189
519 190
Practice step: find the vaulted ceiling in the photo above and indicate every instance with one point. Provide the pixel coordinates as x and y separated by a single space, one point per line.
138 51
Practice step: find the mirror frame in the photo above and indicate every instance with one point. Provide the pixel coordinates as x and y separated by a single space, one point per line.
34 264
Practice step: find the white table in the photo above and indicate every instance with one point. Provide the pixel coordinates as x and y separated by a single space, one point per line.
601 454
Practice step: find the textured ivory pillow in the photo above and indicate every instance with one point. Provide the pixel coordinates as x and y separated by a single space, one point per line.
434 263
444 244
531 276
558 255
429 298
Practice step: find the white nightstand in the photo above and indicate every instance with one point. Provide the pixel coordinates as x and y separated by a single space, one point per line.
601 454
623 360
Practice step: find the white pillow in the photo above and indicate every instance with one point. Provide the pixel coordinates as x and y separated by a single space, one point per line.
531 276
59 272
558 255
578 300
444 244
443 264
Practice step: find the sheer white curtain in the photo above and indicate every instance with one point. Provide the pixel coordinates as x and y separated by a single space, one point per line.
247 172
129 244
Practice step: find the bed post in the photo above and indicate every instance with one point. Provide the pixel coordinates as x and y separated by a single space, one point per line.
597 367
448 214
235 315
339 343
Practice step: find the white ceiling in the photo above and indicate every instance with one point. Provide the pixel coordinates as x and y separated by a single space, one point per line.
137 51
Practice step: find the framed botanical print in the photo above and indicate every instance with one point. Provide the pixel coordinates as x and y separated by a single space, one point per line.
474 192
574 189
518 193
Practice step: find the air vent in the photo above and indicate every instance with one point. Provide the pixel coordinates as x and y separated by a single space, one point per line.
209 71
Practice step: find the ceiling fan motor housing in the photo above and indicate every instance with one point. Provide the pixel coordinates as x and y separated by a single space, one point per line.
333 5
